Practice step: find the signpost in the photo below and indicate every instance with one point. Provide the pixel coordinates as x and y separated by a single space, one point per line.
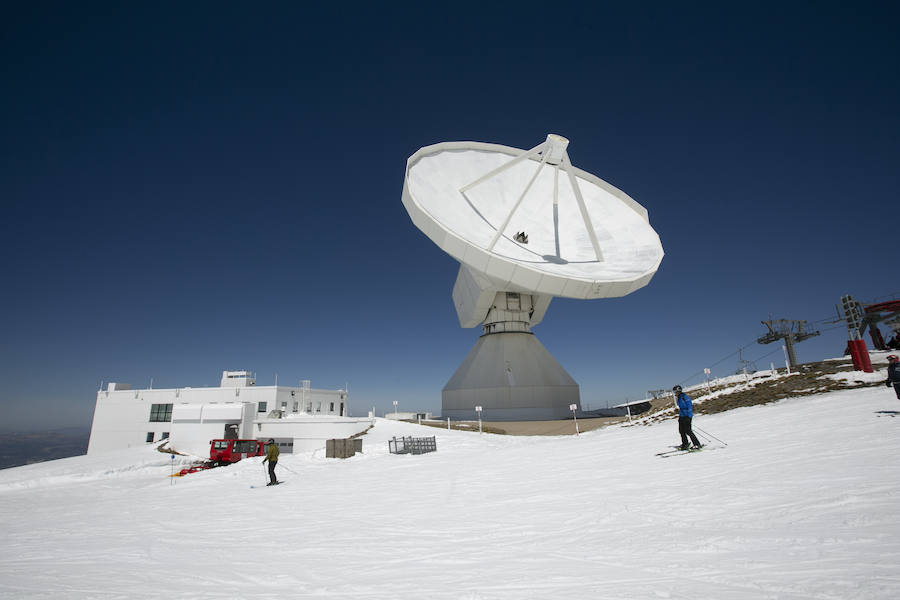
478 410
573 408
707 380
395 410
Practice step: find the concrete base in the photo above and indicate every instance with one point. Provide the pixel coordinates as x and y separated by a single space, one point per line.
513 378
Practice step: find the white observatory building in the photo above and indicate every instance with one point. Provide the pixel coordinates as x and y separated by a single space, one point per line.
525 226
298 418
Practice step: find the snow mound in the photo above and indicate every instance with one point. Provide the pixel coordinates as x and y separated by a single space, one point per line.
801 503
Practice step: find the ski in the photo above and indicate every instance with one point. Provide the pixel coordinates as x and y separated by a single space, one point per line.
253 487
690 451
676 453
672 453
678 450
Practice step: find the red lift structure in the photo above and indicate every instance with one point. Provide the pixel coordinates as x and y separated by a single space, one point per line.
860 317
876 313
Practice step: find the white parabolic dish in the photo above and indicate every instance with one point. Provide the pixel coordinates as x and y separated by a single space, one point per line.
534 197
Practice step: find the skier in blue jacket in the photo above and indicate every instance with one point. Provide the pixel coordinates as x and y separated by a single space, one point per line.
685 415
893 377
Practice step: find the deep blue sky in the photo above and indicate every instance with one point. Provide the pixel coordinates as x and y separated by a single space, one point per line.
192 188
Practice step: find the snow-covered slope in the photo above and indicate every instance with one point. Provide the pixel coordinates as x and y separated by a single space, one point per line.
804 502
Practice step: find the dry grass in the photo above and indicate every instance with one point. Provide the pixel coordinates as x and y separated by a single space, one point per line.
462 426
805 382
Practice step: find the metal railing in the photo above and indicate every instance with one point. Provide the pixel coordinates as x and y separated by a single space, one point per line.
412 445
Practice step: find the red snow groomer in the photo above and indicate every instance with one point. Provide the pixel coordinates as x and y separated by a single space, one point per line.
223 452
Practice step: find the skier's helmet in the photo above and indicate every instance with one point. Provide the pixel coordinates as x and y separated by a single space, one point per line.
892 358
677 389
271 441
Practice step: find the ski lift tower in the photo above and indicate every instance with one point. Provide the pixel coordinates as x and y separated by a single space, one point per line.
789 331
744 365
854 315
860 317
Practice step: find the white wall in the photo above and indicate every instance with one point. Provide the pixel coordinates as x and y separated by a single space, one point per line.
311 433
122 420
194 425
122 416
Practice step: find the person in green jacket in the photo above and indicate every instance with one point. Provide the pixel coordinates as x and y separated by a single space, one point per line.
272 459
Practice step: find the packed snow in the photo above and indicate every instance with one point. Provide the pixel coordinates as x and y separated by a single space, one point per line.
803 502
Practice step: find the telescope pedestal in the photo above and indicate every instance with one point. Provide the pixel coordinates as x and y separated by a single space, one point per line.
513 378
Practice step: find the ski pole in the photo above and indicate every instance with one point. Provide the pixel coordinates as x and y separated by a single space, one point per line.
288 468
709 435
705 437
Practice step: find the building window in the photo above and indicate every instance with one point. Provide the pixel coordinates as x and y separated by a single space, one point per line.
149 436
332 407
309 407
262 407
160 413
165 435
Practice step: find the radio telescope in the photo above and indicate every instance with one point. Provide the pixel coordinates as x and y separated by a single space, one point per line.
525 225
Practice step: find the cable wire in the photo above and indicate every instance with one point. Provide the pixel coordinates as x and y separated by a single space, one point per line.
830 319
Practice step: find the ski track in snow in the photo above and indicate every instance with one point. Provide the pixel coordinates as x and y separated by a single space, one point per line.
803 503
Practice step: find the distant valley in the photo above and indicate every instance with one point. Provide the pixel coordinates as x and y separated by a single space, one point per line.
19 448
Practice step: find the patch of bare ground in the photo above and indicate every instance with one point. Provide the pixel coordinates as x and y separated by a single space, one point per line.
806 381
461 426
558 427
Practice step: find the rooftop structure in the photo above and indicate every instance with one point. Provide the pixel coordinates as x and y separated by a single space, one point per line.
299 418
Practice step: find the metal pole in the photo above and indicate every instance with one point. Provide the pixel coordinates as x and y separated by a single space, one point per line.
787 362
347 398
515 207
533 152
567 166
789 341
707 434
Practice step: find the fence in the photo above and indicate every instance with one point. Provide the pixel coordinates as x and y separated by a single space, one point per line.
412 445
